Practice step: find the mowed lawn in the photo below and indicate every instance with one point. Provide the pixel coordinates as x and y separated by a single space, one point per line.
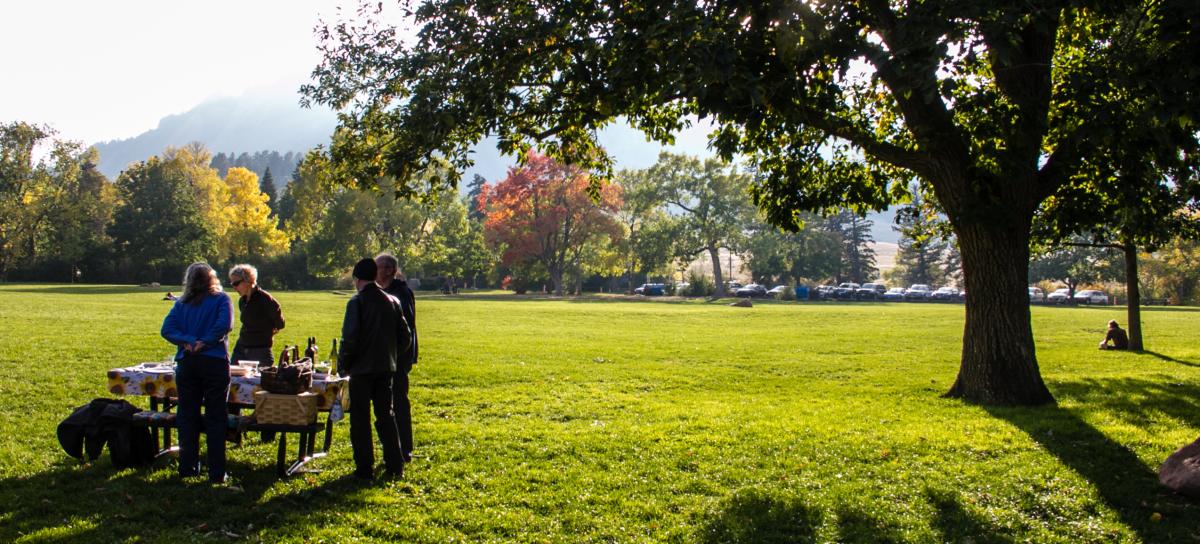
614 420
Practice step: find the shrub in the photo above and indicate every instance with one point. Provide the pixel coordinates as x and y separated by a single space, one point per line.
698 285
789 293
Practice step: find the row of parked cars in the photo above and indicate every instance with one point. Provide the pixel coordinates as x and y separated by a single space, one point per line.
1063 296
878 291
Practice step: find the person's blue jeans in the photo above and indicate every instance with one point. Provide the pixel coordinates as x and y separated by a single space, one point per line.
202 381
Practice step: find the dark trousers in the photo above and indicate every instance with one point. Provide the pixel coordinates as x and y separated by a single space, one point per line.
373 392
199 381
402 408
263 355
265 358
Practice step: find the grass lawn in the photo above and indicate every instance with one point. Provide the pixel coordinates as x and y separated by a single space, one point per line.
625 421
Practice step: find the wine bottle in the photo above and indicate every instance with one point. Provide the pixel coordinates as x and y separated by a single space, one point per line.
333 358
284 355
311 350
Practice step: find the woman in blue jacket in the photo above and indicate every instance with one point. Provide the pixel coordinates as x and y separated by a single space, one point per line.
199 324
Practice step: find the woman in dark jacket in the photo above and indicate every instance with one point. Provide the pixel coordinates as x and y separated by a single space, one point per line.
199 324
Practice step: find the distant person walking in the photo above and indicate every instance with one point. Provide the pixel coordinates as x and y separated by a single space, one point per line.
374 334
199 324
1117 336
391 280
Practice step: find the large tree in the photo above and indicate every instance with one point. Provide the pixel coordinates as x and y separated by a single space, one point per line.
542 212
988 103
157 223
712 202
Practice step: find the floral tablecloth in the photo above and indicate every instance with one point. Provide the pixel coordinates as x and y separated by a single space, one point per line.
153 380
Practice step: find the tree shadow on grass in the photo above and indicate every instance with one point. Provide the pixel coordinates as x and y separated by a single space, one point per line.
761 516
69 502
1122 480
755 515
1168 358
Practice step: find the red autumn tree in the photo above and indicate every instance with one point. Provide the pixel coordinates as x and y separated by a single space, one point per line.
542 212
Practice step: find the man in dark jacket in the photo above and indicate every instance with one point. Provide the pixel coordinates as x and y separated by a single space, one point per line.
392 284
374 333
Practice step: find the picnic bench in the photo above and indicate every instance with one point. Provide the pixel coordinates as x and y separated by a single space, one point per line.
158 384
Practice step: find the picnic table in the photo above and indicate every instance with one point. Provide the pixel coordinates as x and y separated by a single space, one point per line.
157 381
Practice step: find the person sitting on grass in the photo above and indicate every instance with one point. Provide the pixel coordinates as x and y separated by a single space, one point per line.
1117 336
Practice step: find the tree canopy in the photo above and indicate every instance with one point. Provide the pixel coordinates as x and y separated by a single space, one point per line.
990 104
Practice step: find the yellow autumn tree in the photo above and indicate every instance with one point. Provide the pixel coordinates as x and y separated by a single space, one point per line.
193 162
251 231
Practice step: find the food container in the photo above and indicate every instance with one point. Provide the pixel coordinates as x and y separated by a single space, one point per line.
276 409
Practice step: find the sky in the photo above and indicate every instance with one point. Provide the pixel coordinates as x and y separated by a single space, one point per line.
97 71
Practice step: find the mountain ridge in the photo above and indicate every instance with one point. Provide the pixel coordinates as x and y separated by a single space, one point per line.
276 122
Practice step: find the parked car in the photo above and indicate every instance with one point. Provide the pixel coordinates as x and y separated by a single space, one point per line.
777 290
845 291
752 290
651 290
1036 295
733 286
1059 296
917 291
944 294
870 291
825 292
894 294
1091 296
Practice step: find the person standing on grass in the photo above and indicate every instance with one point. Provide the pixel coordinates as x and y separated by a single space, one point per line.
199 324
261 320
261 317
1117 336
391 280
374 334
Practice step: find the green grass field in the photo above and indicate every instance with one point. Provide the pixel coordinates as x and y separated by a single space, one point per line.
608 420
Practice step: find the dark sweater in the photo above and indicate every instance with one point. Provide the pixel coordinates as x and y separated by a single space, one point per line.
261 317
374 332
400 289
1117 336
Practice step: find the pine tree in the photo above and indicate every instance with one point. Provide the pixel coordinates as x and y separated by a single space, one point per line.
922 246
473 190
858 258
268 188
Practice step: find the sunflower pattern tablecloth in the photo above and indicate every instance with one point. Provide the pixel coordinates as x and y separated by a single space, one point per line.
159 381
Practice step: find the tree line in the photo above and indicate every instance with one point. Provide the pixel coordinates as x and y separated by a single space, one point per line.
540 226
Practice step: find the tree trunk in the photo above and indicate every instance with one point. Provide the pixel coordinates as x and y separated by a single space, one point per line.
1133 296
719 288
556 276
999 365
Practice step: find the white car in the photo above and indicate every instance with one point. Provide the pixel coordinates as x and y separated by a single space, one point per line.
1036 295
1059 296
1091 296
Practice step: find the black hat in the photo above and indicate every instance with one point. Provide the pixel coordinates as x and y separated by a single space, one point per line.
365 270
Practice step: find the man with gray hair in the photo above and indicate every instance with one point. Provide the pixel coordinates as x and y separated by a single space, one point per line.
389 278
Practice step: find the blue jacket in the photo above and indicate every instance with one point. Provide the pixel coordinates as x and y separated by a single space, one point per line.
209 320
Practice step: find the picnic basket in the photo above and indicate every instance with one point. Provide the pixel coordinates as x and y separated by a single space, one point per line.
289 379
274 409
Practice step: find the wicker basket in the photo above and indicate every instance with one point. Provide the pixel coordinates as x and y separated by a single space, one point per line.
273 409
287 380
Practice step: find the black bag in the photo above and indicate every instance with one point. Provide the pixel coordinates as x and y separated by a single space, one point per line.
106 421
288 380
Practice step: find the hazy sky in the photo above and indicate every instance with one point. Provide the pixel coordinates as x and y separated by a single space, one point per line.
98 71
